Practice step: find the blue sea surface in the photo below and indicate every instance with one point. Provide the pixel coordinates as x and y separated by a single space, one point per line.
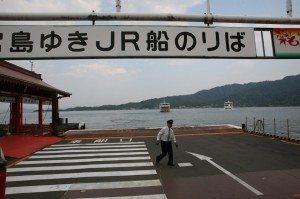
287 119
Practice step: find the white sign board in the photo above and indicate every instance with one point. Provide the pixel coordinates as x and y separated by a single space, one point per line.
27 100
68 42
7 99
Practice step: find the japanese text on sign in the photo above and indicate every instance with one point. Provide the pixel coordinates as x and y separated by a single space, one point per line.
43 42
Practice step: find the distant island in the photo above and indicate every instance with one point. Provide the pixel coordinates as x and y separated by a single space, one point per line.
284 92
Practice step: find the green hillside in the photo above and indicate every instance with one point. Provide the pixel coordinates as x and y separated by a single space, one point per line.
284 92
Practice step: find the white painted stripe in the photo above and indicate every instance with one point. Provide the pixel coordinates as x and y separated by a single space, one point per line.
236 178
80 175
83 160
75 167
100 140
37 189
94 147
76 141
88 155
234 126
126 140
185 164
83 186
93 150
156 196
97 144
114 185
209 160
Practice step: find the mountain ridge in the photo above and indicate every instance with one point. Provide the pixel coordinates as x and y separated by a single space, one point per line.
283 92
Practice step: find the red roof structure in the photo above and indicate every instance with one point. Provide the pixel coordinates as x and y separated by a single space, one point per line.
13 78
18 84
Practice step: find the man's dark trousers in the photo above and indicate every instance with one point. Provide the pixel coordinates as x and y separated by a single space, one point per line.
166 147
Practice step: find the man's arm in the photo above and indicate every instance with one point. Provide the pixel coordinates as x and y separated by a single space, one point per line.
174 139
159 136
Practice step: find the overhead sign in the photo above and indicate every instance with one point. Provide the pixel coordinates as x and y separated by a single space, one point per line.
7 99
286 42
27 100
65 42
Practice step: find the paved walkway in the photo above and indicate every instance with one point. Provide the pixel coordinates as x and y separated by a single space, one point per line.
222 164
83 170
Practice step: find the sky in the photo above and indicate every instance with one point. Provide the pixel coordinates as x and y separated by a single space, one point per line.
96 82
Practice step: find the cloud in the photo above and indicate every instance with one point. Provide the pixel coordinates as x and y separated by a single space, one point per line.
91 82
239 25
158 6
96 70
136 6
47 6
244 64
182 62
86 6
43 6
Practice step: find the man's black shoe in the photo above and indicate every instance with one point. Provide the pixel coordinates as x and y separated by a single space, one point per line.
157 162
171 165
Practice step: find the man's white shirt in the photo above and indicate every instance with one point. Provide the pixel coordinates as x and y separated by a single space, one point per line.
164 134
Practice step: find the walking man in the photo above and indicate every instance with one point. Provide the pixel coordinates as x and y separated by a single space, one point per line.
166 136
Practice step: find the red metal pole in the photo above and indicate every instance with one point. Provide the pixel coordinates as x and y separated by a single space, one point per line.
18 113
21 112
55 114
2 182
2 175
13 117
40 114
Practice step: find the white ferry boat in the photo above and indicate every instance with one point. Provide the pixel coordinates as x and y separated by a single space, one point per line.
164 107
228 105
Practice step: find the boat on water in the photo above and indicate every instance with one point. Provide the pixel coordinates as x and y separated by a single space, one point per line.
164 107
228 105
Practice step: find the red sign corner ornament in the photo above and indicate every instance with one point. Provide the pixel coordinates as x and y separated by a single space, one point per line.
286 42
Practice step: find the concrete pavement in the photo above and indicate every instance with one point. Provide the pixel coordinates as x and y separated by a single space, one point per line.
240 165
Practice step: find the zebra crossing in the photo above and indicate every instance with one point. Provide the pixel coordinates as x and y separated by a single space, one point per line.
94 169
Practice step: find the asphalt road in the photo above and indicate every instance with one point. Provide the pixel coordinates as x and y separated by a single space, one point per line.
229 165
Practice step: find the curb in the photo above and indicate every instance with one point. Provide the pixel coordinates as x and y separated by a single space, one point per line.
273 136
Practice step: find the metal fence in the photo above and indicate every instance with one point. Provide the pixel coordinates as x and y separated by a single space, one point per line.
280 128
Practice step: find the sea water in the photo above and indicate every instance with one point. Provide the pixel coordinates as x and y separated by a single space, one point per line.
287 119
